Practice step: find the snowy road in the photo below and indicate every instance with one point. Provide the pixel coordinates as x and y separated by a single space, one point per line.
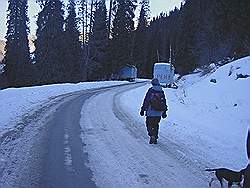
107 149
119 153
46 151
74 135
64 160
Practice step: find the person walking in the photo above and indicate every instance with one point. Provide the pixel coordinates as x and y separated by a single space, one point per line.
154 104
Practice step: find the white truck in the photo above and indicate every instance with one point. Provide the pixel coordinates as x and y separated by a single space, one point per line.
164 72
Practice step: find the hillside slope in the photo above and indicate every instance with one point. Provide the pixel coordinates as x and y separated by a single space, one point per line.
209 119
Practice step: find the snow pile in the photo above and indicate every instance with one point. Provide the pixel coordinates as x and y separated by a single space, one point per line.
209 119
16 102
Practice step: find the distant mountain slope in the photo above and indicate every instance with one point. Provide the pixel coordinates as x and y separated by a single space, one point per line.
2 44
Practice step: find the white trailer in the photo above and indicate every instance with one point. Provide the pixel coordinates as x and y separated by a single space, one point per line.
164 72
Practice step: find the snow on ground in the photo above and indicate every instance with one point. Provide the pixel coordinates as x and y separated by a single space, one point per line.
211 118
207 118
16 102
119 153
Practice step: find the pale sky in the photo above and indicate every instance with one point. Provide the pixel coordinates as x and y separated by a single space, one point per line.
156 7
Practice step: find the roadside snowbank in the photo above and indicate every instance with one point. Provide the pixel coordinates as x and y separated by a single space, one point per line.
16 102
205 117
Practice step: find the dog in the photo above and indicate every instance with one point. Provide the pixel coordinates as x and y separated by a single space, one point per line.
228 175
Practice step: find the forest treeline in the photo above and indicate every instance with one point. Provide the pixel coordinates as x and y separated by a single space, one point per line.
83 40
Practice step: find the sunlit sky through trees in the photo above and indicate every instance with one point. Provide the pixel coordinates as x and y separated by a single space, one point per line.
156 7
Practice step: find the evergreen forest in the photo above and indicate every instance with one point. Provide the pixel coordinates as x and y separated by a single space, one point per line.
91 40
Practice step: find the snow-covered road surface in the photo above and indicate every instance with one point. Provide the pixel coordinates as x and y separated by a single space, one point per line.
97 137
119 153
206 128
47 150
64 160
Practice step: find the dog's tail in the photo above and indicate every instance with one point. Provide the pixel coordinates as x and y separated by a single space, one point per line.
209 169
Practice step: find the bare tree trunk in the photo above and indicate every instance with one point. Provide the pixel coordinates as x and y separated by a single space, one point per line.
110 17
91 16
86 20
82 16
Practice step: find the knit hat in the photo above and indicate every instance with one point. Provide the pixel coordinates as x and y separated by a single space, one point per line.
155 82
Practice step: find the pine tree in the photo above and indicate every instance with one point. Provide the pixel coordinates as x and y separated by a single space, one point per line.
244 23
158 44
72 47
238 18
50 43
223 43
185 58
98 67
140 39
122 34
17 57
201 32
152 46
173 30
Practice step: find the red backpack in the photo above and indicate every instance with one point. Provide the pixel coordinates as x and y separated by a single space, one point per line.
158 102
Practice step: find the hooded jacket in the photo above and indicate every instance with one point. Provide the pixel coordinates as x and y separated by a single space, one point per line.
146 103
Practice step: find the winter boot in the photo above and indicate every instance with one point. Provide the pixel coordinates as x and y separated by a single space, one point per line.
152 140
155 142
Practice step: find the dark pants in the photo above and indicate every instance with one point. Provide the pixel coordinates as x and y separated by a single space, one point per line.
152 124
246 183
